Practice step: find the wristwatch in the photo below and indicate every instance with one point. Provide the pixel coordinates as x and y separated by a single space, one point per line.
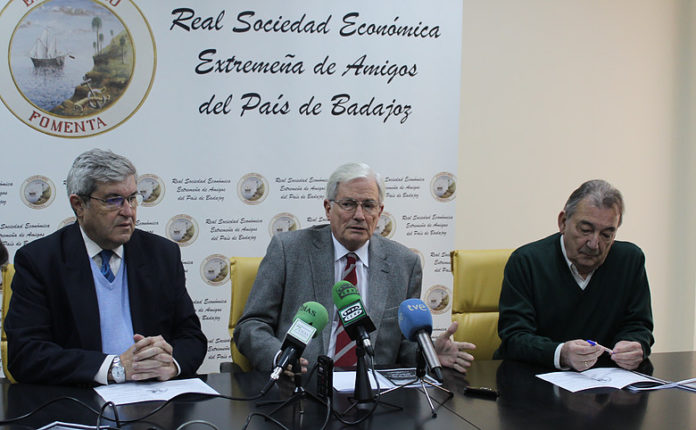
118 372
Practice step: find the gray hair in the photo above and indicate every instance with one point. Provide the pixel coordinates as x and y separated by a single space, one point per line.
347 173
97 166
600 193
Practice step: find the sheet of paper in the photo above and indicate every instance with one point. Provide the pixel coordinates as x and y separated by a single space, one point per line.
594 378
344 382
133 392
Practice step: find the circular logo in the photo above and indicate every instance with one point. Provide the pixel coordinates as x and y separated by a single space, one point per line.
438 299
443 186
215 270
386 225
75 68
152 189
283 222
182 229
38 192
66 221
252 189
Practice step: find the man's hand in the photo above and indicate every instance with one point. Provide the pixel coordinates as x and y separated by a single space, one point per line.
149 357
579 354
627 354
289 371
453 354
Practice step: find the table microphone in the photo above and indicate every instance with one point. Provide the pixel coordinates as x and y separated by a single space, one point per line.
352 314
416 324
309 321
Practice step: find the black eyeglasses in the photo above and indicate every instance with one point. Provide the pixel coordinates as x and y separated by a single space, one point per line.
116 202
350 205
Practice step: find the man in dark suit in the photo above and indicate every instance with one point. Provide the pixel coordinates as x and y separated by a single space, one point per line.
99 301
303 265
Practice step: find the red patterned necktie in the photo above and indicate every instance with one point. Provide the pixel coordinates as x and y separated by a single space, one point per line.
344 355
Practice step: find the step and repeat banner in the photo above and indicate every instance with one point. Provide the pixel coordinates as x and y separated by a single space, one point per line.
235 114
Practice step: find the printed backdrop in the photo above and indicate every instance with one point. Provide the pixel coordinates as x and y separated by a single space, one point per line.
235 114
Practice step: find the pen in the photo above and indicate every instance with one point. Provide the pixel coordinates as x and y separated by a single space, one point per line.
607 350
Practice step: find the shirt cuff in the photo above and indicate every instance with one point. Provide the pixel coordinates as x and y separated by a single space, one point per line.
557 357
102 376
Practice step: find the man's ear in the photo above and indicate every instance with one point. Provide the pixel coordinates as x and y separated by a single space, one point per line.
77 204
562 219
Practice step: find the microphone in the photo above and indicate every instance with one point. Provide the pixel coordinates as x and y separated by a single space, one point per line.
307 324
352 314
416 324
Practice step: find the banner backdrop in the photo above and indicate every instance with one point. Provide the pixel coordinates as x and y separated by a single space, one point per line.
235 114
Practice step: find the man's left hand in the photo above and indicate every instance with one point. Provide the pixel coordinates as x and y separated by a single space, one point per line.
627 354
453 354
152 358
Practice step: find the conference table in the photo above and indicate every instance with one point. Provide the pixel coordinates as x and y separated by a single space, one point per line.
524 402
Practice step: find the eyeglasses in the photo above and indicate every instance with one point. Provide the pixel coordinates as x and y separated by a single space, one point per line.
350 205
116 202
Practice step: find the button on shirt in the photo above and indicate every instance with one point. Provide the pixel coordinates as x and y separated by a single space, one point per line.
362 265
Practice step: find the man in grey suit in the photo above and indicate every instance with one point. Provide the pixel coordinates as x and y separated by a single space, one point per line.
303 265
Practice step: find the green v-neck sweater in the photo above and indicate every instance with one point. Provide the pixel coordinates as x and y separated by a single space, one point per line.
542 306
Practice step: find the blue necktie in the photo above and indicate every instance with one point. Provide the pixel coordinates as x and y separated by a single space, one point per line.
105 269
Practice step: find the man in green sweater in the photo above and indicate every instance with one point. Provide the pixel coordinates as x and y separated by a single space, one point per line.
578 296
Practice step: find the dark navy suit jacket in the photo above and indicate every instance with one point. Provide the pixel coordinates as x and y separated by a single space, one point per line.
52 325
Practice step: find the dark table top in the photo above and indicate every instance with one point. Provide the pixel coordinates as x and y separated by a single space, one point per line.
525 402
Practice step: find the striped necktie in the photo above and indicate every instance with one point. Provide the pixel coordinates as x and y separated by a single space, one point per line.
344 355
105 268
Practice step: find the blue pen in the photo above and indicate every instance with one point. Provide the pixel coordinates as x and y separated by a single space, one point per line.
607 350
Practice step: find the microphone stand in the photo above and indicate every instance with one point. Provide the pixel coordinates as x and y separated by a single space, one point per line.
298 394
362 393
420 378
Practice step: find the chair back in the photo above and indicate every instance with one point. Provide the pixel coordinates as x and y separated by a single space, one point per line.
242 275
478 278
7 275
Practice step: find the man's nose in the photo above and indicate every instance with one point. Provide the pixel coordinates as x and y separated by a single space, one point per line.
593 241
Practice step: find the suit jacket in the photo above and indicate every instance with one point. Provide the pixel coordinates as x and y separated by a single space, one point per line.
52 325
299 267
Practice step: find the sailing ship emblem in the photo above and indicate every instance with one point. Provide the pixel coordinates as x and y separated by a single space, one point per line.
44 52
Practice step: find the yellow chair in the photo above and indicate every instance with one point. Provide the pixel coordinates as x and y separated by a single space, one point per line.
7 274
478 278
242 274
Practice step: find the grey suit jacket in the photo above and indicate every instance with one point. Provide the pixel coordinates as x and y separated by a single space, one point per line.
298 267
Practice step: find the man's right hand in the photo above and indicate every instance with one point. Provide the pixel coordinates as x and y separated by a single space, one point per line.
289 371
579 354
149 357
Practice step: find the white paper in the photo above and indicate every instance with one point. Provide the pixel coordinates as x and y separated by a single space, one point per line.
594 378
344 382
133 392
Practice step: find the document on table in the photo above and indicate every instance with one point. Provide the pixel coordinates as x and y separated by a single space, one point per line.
133 392
594 378
344 382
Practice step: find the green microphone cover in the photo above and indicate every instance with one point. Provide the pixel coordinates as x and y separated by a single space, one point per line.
314 314
344 293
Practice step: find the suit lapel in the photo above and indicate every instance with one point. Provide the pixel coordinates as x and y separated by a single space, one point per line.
138 275
79 288
321 260
378 279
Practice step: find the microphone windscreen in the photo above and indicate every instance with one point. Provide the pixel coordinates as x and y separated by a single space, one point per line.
414 316
314 314
344 293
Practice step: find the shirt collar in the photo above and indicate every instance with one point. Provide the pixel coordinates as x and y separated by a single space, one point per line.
571 266
94 249
340 251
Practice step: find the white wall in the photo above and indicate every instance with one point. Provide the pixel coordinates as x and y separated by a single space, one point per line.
555 92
